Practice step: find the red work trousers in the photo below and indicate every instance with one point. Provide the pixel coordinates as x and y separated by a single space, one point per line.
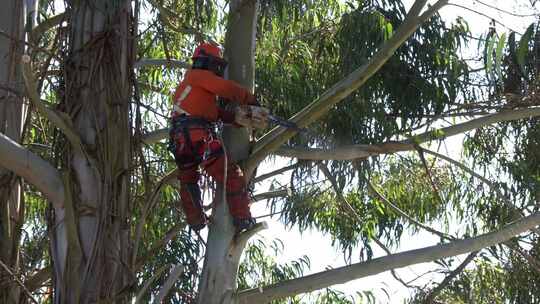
203 149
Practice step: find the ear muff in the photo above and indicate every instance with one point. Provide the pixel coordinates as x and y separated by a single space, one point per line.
210 63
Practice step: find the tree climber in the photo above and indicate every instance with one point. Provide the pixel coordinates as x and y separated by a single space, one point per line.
193 138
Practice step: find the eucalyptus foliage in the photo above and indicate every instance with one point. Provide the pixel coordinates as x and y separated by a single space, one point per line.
303 48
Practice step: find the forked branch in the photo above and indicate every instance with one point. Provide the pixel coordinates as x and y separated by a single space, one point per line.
364 151
314 111
359 270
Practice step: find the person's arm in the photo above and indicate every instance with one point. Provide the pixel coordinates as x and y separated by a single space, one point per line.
227 89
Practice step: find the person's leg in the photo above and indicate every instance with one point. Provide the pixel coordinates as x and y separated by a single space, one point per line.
187 160
237 195
190 194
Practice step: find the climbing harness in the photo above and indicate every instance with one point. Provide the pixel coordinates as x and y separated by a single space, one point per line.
181 126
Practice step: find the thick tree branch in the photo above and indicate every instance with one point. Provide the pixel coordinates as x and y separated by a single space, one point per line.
159 245
364 151
262 177
32 168
242 239
44 26
146 286
173 277
347 273
272 194
351 152
170 63
314 111
155 136
393 271
38 279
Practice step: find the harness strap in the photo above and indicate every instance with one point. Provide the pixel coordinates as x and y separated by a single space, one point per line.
183 124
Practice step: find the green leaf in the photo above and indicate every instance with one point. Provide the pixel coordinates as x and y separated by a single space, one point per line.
523 48
389 30
512 44
489 53
498 55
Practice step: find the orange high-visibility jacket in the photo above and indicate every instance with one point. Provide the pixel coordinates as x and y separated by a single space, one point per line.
196 94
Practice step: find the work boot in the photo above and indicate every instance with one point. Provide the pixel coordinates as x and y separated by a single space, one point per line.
244 224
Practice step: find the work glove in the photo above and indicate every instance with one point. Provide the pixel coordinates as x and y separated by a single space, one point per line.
252 116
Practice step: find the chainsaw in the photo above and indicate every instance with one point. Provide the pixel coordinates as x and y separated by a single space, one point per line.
276 120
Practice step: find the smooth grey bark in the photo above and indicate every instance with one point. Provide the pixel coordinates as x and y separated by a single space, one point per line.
347 273
90 247
33 169
218 281
364 151
155 136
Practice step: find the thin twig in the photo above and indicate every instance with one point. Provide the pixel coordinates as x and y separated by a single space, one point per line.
393 271
505 11
276 172
448 279
326 172
8 270
486 181
484 15
11 90
269 215
32 45
535 264
406 216
429 175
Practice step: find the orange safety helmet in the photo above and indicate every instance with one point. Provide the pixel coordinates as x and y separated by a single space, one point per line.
208 56
206 49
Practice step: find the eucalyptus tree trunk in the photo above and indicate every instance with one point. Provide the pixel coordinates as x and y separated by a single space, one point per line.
90 239
220 270
11 118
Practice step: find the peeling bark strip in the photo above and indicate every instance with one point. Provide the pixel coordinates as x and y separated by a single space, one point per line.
12 116
98 75
356 271
364 151
278 136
